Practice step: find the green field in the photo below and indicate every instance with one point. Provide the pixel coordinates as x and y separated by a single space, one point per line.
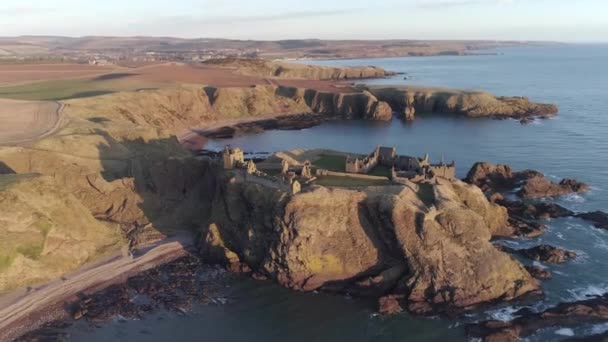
331 162
347 182
69 89
380 170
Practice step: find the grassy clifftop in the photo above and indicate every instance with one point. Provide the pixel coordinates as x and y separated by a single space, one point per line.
268 68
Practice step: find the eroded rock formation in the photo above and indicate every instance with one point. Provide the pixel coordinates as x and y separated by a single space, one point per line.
495 178
376 243
411 100
599 218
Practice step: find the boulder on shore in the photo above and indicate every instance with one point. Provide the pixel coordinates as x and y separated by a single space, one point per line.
542 187
548 253
599 218
498 177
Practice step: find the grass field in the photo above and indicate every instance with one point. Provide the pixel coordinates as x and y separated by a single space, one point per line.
347 182
331 162
67 89
380 170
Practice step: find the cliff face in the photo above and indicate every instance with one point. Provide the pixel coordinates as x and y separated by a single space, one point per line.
99 183
374 242
46 231
411 100
267 68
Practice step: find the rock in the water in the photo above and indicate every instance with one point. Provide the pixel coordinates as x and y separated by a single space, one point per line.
599 218
409 113
548 253
491 177
539 273
538 210
495 178
389 305
563 315
542 187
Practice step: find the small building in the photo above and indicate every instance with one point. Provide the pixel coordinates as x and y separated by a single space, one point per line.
306 171
233 157
296 187
251 168
386 155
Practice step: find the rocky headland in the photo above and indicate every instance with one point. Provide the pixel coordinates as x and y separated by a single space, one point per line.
433 256
408 101
268 68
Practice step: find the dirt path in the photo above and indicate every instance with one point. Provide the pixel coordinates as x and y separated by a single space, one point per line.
24 121
27 309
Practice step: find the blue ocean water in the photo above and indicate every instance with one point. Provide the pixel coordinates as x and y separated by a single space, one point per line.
575 144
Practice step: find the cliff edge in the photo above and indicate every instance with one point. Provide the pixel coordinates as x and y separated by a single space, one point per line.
377 242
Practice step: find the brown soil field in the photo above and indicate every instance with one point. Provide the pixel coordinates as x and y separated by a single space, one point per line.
221 77
23 73
116 78
23 121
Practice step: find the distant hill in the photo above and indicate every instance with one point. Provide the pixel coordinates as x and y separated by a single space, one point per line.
293 48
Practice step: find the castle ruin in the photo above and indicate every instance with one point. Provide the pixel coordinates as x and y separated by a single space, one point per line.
402 167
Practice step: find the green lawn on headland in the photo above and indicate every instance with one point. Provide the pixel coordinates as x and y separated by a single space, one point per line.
71 89
331 162
347 182
271 172
380 170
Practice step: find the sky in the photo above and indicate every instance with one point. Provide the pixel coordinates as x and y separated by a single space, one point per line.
553 20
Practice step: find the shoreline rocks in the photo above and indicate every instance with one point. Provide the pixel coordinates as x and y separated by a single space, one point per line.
599 218
175 287
545 253
496 178
594 310
538 186
411 100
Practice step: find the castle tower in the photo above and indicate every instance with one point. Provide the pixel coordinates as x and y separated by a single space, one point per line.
306 170
296 187
232 157
251 168
284 166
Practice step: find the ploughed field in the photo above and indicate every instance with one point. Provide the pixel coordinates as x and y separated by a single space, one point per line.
67 81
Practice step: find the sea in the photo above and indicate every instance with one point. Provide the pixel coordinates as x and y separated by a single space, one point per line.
572 145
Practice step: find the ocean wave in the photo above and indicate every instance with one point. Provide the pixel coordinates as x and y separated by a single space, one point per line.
598 329
503 314
586 292
564 332
573 198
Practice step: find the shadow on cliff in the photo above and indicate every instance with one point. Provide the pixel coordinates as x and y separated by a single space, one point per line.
156 188
5 169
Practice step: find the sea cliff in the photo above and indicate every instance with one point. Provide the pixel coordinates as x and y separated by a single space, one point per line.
432 254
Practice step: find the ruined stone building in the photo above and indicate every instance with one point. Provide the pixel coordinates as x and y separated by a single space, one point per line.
233 158
402 167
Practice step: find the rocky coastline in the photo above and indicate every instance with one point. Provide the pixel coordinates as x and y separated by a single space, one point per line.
426 249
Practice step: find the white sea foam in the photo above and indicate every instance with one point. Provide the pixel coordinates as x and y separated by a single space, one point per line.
586 292
564 332
574 198
503 314
599 329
